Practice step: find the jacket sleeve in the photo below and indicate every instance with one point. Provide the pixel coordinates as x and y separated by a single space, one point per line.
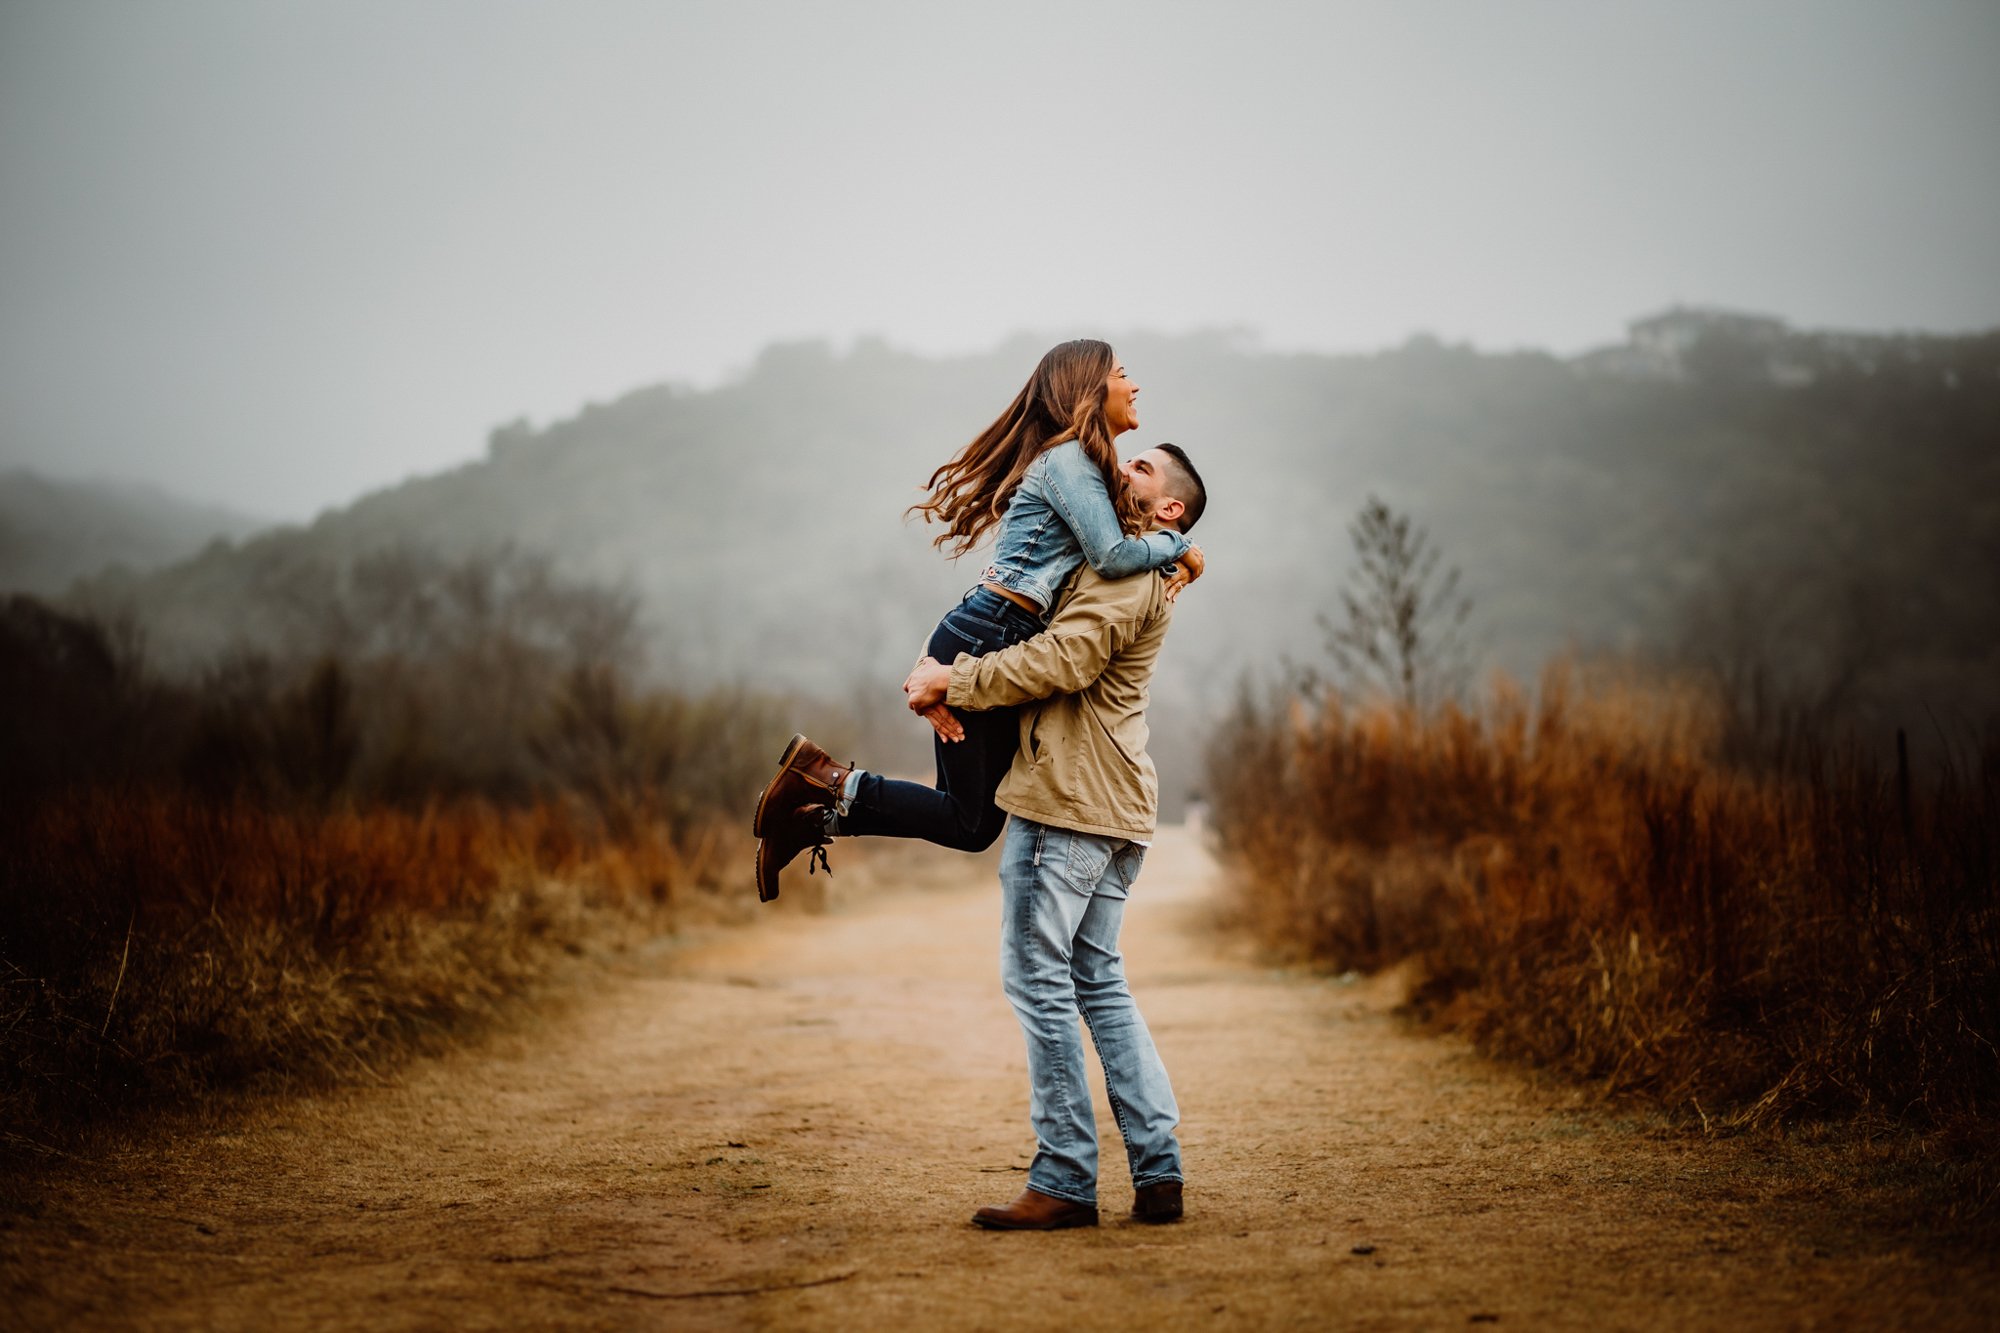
1077 493
1064 658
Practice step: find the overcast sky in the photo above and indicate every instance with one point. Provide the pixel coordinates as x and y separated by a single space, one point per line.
278 254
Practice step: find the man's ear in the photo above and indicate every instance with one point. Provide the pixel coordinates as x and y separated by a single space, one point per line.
1167 513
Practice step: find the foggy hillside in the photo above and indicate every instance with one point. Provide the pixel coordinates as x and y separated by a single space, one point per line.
53 532
1823 510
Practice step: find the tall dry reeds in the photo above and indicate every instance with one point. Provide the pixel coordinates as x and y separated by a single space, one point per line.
1583 883
296 866
157 944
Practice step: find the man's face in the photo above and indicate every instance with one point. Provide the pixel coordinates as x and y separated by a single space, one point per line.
1146 474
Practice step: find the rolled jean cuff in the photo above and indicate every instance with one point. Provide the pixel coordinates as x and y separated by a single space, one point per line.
850 787
1067 1196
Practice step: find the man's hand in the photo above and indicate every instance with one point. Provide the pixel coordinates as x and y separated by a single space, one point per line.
925 688
1186 570
926 684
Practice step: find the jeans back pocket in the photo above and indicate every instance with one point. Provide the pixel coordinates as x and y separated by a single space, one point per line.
1081 859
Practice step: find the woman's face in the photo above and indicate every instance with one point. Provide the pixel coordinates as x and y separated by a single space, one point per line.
1121 406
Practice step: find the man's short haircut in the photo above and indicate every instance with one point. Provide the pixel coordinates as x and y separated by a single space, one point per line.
1184 484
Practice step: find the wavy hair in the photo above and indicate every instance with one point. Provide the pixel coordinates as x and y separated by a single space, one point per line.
1062 400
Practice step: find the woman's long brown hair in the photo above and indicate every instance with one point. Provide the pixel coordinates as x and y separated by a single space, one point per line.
1063 400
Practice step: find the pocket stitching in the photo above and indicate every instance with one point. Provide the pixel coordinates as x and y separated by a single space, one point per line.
1070 864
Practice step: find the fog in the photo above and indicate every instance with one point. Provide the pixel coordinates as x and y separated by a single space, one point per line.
274 256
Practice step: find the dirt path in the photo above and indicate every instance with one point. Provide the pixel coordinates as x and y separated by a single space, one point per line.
788 1126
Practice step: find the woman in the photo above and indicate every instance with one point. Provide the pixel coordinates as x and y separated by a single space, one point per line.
1045 474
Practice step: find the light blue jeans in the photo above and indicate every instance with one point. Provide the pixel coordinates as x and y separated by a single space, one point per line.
1063 900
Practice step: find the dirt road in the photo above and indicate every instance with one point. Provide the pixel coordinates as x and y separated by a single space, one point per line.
788 1126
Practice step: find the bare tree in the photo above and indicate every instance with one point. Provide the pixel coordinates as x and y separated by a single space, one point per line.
1403 627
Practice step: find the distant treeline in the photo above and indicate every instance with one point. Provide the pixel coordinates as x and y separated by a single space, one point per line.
402 678
1808 518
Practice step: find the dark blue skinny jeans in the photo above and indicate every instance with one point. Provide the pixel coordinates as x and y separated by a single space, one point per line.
957 812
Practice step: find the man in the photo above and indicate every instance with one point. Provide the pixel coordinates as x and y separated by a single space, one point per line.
1083 797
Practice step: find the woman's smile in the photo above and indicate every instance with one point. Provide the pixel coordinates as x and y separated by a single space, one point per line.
1121 406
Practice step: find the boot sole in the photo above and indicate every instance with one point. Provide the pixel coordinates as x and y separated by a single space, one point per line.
764 798
995 1224
757 876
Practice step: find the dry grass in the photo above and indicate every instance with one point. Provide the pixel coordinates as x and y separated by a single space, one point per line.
1581 883
287 868
159 944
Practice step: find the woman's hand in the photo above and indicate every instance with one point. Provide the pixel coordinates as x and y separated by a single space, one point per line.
945 723
1186 570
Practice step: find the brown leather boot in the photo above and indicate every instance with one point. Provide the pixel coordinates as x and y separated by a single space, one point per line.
787 836
1036 1211
807 775
1157 1202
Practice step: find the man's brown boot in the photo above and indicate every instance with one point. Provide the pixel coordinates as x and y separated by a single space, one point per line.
1036 1211
1157 1202
807 775
787 836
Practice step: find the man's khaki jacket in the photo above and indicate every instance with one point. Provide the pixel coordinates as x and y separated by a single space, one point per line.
1082 763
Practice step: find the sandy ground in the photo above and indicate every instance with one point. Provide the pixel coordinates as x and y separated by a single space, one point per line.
789 1126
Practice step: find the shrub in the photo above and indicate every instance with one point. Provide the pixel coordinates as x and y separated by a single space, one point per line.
295 866
1582 883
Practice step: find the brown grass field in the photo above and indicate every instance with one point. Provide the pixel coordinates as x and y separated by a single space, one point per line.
287 870
291 884
789 1126
160 945
1579 882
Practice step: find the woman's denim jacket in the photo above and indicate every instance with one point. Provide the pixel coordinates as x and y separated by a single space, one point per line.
1060 516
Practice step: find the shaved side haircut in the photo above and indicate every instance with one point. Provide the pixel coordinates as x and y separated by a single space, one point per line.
1184 484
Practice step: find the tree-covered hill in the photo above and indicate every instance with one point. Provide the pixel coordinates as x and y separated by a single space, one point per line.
1818 511
54 531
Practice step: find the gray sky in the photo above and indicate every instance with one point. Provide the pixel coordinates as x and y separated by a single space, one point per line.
277 254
